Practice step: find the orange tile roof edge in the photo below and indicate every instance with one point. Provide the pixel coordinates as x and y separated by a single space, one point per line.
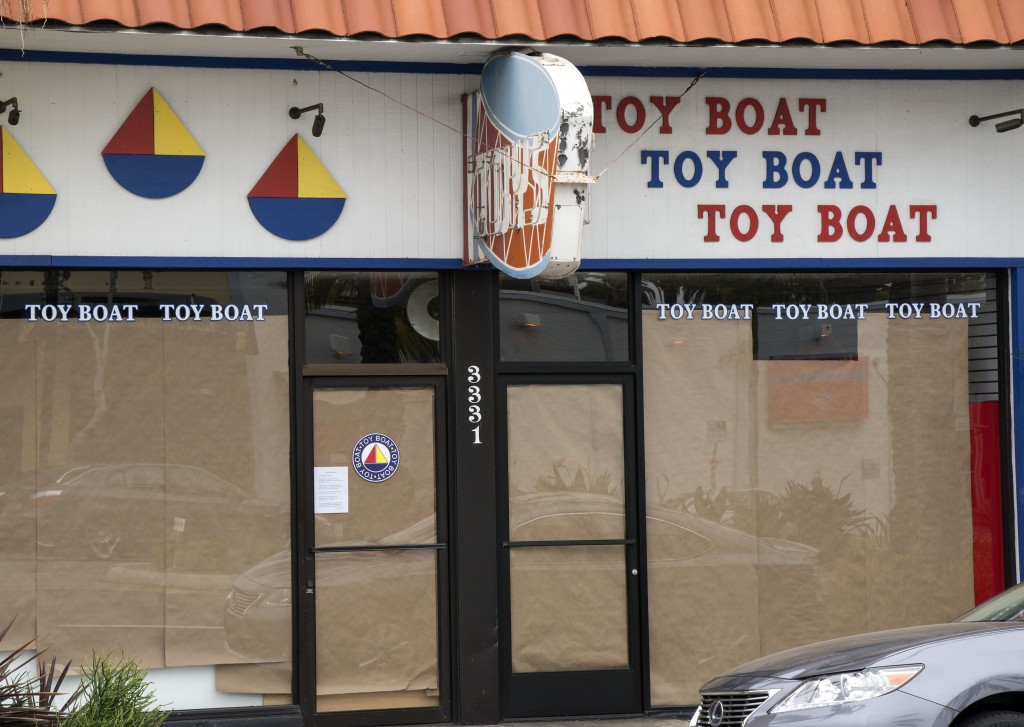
859 22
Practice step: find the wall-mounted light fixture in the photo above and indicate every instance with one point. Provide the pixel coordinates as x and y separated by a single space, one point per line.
1002 126
528 320
15 116
318 121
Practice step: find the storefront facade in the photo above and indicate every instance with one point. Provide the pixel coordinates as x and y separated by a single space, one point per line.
266 433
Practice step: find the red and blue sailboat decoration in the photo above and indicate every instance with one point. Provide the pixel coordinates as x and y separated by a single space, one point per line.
152 154
297 198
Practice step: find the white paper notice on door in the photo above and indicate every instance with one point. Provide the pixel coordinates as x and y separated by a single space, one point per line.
330 490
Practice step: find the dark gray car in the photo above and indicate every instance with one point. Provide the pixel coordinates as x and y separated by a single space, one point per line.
968 673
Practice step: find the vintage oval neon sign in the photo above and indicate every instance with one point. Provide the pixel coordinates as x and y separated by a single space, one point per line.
530 138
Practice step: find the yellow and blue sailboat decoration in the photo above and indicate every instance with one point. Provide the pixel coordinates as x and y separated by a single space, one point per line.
26 197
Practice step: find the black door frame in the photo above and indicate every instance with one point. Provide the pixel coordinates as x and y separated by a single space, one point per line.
306 593
575 693
304 380
469 342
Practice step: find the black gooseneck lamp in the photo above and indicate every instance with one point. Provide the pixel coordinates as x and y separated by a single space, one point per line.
15 116
318 121
1002 126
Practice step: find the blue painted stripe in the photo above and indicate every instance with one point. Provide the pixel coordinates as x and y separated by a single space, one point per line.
474 69
226 263
271 64
801 264
372 263
1017 377
855 74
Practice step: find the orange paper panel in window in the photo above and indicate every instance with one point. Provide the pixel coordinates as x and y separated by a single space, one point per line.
812 391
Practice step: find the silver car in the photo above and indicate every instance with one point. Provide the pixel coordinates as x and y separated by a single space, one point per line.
968 673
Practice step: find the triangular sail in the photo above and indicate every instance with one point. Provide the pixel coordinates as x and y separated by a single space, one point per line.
135 135
282 176
18 173
314 179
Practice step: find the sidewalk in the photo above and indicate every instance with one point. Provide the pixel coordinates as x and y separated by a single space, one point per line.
646 721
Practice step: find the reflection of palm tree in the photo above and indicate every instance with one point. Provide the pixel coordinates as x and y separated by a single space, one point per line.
57 292
101 352
324 289
378 333
814 514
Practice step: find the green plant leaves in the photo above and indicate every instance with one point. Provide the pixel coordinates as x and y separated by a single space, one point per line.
117 694
29 692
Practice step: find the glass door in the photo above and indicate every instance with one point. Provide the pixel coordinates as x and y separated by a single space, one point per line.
375 572
570 632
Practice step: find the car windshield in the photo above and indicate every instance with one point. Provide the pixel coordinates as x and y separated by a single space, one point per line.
1007 606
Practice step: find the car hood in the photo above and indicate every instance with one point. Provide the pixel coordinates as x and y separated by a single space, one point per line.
851 653
272 572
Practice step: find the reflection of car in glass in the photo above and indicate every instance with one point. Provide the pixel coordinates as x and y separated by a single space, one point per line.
697 570
968 673
18 503
672 535
376 605
382 595
153 513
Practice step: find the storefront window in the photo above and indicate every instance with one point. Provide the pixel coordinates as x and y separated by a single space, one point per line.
144 472
833 441
372 318
579 318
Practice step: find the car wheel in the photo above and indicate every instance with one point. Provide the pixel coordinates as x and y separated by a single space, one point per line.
103 543
994 719
386 650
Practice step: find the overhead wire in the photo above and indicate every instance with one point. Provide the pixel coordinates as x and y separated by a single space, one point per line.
324 64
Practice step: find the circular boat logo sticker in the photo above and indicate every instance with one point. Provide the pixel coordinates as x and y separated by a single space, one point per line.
375 457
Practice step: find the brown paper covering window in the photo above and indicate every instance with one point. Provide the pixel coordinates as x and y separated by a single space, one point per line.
147 464
376 621
565 462
401 509
768 530
566 477
376 610
569 608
